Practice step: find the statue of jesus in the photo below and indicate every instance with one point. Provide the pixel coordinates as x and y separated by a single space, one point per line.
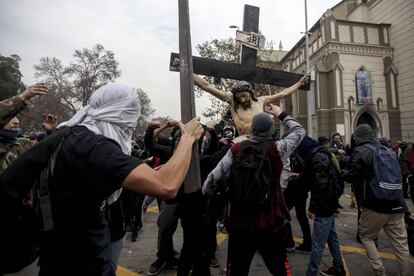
242 102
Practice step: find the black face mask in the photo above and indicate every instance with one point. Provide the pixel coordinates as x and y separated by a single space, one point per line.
337 143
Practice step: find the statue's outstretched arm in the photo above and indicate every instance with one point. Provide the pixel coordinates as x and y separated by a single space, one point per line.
206 86
286 92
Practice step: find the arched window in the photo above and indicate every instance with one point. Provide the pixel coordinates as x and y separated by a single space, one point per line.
363 86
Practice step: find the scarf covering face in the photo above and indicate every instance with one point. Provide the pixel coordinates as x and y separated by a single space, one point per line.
113 111
263 127
9 135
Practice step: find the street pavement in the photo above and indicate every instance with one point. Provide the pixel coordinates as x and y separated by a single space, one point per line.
136 257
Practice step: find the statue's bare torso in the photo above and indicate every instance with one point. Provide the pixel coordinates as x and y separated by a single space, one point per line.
243 116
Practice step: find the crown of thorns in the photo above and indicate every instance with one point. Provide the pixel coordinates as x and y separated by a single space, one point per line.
241 86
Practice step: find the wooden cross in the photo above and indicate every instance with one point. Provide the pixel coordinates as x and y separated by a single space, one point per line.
192 180
247 69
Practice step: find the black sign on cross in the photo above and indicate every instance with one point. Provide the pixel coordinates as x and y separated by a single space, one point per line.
247 69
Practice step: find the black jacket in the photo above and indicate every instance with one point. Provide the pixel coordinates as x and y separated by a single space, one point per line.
323 201
360 171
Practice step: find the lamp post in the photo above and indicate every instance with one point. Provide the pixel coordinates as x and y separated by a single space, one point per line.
309 94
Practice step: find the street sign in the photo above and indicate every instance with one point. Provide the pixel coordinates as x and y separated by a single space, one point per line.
251 39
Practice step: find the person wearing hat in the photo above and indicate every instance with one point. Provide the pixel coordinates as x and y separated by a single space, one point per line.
242 102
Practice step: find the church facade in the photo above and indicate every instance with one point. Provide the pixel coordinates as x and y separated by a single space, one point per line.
363 63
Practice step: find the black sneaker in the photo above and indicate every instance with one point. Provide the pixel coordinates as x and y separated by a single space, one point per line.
157 266
332 272
214 262
173 263
290 246
134 236
134 233
176 254
305 249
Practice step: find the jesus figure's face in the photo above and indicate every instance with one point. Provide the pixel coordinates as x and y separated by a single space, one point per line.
244 98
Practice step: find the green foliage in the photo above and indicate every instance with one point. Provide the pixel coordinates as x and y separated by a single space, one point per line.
10 76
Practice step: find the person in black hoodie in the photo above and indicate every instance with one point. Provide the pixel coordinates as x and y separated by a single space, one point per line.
296 195
196 252
376 214
322 208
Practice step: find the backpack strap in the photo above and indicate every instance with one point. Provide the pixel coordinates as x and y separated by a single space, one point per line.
370 146
43 190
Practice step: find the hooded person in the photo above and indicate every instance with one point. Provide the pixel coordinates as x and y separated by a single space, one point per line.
260 229
336 141
376 213
113 112
297 191
91 163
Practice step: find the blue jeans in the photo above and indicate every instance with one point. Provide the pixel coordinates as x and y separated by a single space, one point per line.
324 231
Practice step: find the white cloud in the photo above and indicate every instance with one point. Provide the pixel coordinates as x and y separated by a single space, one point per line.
141 33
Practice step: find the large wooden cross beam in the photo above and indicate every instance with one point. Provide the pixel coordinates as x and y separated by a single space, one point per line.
192 180
247 69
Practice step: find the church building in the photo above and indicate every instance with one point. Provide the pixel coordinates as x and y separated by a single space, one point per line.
362 55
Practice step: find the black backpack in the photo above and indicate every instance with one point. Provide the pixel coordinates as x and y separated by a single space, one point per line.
250 182
25 207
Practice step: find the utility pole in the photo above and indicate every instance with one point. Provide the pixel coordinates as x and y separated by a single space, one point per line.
309 94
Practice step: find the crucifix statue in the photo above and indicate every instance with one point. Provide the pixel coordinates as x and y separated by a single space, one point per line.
243 104
242 101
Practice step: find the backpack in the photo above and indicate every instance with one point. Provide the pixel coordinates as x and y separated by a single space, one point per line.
336 177
388 180
250 182
24 218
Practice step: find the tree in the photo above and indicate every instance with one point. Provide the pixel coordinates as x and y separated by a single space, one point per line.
226 50
146 111
57 77
73 85
10 76
92 69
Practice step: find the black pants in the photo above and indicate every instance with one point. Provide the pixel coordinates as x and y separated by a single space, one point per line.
137 212
405 185
195 253
299 202
167 224
411 184
243 244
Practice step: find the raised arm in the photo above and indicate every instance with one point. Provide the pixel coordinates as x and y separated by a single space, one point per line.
286 92
296 132
169 123
206 86
165 182
12 106
221 170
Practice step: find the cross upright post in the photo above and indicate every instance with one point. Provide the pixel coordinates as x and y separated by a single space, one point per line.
192 180
250 24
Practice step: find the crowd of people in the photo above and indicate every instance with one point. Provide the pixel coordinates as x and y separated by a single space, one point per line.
87 181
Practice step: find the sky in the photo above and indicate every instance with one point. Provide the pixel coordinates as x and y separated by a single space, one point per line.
141 33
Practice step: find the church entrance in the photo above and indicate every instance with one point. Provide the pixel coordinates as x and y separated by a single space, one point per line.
366 118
